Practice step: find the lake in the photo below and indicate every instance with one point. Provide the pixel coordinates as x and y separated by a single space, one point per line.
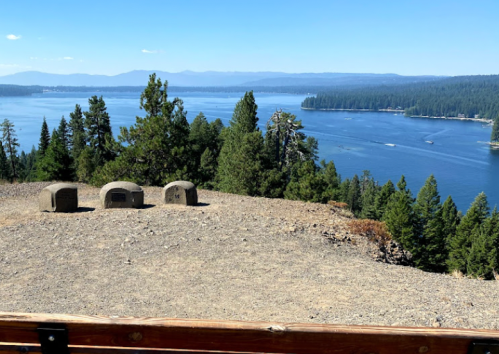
460 160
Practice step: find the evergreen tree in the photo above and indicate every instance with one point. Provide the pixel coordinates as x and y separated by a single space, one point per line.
21 166
450 221
243 122
331 179
44 138
429 228
482 258
306 184
368 200
343 191
31 160
382 199
157 147
99 134
353 196
460 244
203 140
77 138
400 219
56 164
9 139
63 133
4 164
85 166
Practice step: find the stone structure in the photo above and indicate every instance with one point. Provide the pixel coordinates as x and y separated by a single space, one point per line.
121 195
180 192
59 198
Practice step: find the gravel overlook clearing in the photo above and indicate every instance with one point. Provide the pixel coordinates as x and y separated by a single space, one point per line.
231 257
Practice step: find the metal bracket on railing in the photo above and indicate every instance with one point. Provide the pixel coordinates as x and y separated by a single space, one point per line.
484 347
53 339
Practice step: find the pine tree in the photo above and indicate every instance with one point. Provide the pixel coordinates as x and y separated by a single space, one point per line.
354 196
99 134
482 258
331 179
450 221
63 133
4 165
44 138
56 164
9 139
31 160
369 200
243 122
382 199
429 228
400 219
157 147
201 140
306 184
460 244
77 137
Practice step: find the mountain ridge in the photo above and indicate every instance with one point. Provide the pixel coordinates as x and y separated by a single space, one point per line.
209 78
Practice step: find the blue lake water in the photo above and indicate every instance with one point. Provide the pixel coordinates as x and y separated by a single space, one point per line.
463 165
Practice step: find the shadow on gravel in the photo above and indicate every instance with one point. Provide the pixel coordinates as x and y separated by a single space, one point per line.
148 206
202 204
84 210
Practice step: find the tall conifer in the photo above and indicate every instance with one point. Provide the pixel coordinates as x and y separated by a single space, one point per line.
77 136
231 164
44 139
10 143
4 165
382 199
460 244
400 219
429 229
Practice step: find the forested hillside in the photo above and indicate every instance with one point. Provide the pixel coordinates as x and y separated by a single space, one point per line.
460 95
15 90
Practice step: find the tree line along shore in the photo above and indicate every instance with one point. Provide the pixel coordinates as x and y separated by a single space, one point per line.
462 97
162 147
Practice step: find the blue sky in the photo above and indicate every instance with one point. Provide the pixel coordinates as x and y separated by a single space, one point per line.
420 37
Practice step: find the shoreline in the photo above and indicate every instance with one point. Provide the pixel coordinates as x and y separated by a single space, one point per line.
352 109
480 120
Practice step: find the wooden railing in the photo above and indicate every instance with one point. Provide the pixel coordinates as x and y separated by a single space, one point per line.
61 334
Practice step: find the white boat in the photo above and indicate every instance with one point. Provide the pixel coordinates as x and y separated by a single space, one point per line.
390 145
429 141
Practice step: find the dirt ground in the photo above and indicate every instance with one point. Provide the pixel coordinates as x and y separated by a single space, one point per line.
231 257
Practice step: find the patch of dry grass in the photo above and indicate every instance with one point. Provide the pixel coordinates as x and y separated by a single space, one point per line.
375 231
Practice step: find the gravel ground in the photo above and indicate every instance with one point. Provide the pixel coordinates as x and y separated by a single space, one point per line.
231 257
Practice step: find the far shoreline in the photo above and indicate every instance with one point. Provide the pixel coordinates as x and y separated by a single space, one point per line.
480 120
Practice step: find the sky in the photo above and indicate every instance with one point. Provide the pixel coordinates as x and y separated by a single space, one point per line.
421 37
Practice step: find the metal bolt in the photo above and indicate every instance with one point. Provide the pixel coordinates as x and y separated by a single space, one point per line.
51 338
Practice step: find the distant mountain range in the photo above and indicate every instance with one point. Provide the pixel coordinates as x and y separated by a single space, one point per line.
213 78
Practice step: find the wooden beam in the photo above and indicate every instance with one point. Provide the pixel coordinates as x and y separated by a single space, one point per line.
237 336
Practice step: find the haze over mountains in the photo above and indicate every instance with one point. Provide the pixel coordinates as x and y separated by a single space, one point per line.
213 78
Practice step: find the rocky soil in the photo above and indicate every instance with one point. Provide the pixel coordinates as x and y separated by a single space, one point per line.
231 257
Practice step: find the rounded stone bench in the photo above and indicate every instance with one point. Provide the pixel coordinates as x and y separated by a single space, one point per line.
121 195
59 198
180 192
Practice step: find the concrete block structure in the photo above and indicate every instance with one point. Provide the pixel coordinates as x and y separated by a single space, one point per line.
121 195
59 198
180 192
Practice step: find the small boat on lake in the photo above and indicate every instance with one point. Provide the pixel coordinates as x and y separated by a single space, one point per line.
390 145
429 141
